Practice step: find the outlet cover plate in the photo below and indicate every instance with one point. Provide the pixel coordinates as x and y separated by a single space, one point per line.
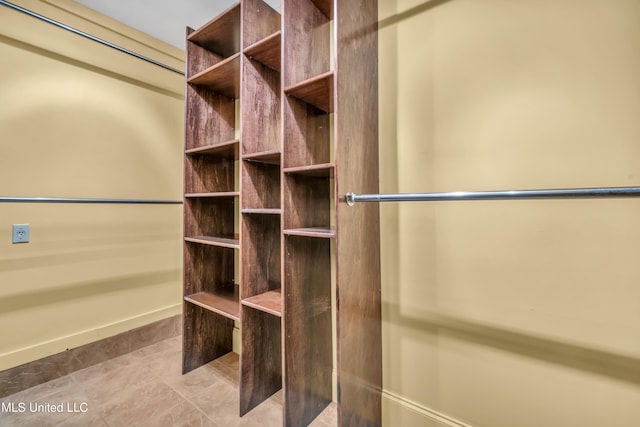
20 233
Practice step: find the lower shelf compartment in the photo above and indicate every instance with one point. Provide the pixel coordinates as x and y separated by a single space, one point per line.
269 302
206 336
223 302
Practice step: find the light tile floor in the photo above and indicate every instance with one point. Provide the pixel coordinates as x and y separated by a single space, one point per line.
145 388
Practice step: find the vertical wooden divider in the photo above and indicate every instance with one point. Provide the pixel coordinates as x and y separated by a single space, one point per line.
261 358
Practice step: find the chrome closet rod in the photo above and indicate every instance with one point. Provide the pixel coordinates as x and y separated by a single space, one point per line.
565 193
89 36
87 200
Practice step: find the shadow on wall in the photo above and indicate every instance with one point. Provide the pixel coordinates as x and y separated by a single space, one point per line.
399 17
87 288
571 355
86 66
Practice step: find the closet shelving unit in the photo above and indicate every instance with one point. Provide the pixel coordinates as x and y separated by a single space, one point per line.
308 294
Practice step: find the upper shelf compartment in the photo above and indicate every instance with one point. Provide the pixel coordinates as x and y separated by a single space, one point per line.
306 46
221 35
317 91
267 51
223 77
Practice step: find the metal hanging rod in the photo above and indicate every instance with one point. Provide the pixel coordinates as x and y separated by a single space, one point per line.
88 36
566 193
87 200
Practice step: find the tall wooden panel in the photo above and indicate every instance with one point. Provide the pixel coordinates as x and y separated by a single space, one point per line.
358 241
261 297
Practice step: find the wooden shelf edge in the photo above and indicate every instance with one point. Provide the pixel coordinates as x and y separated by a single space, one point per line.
224 242
271 157
262 211
231 145
209 195
321 170
221 64
225 303
269 302
321 232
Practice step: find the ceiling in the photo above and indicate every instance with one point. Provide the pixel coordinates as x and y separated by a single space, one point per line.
165 19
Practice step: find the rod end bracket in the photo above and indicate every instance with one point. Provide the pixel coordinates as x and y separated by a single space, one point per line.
350 199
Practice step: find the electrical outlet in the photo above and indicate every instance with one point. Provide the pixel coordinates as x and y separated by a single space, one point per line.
20 233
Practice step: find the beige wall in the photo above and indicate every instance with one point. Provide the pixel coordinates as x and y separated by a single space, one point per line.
81 120
521 313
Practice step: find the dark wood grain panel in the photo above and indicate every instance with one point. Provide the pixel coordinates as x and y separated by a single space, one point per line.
222 78
210 117
306 201
222 34
306 42
207 269
259 20
269 302
261 358
205 336
209 174
261 118
317 91
260 185
307 316
199 58
209 217
260 269
358 242
306 134
224 301
267 51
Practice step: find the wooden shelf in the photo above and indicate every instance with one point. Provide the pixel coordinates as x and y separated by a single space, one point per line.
223 301
271 157
267 51
269 302
325 233
223 77
317 91
227 149
217 194
262 211
222 34
324 170
325 7
224 242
